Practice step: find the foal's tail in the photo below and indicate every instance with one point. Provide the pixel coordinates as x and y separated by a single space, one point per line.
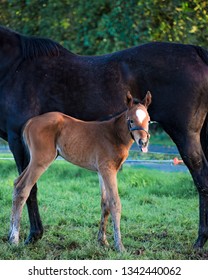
26 155
202 53
25 141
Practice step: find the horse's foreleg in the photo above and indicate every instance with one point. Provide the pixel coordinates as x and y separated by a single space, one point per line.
114 204
105 211
21 159
36 227
203 220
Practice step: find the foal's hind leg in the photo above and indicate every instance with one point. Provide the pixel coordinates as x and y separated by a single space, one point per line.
105 211
21 159
24 185
21 192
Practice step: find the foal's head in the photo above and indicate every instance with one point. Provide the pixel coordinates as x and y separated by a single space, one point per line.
138 120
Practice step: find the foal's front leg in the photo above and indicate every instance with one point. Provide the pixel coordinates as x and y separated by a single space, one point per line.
105 211
114 205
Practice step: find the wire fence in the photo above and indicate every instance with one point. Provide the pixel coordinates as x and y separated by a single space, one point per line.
172 164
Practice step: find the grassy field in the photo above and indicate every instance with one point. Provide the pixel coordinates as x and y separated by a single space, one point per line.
159 215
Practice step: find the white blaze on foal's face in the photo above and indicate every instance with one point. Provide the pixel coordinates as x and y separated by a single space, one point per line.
141 115
141 136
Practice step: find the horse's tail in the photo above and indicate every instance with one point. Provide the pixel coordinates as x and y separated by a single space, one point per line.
202 53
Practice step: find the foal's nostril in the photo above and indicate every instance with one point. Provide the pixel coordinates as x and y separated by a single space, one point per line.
141 142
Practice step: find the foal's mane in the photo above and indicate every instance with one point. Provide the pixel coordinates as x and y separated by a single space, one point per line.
109 117
33 47
112 116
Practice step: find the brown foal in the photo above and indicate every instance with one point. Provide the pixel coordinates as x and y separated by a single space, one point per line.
98 146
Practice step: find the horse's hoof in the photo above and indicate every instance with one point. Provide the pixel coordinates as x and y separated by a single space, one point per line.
33 237
201 240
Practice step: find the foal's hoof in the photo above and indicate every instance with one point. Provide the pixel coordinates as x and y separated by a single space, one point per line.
120 248
13 240
103 243
33 237
13 237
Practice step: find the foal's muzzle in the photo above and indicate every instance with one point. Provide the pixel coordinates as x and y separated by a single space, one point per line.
142 142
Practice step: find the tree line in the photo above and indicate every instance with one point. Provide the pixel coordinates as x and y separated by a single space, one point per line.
103 26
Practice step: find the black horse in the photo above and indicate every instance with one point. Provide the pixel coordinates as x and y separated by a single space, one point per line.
38 75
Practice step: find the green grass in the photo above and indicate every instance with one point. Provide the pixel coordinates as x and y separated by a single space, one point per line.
159 215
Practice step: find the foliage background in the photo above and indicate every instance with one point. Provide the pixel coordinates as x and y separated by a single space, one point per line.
103 26
98 27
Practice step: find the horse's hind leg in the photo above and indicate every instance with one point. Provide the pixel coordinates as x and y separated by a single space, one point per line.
198 167
193 156
105 211
203 191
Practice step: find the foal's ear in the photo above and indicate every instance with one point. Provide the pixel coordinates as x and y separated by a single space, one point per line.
130 100
147 100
